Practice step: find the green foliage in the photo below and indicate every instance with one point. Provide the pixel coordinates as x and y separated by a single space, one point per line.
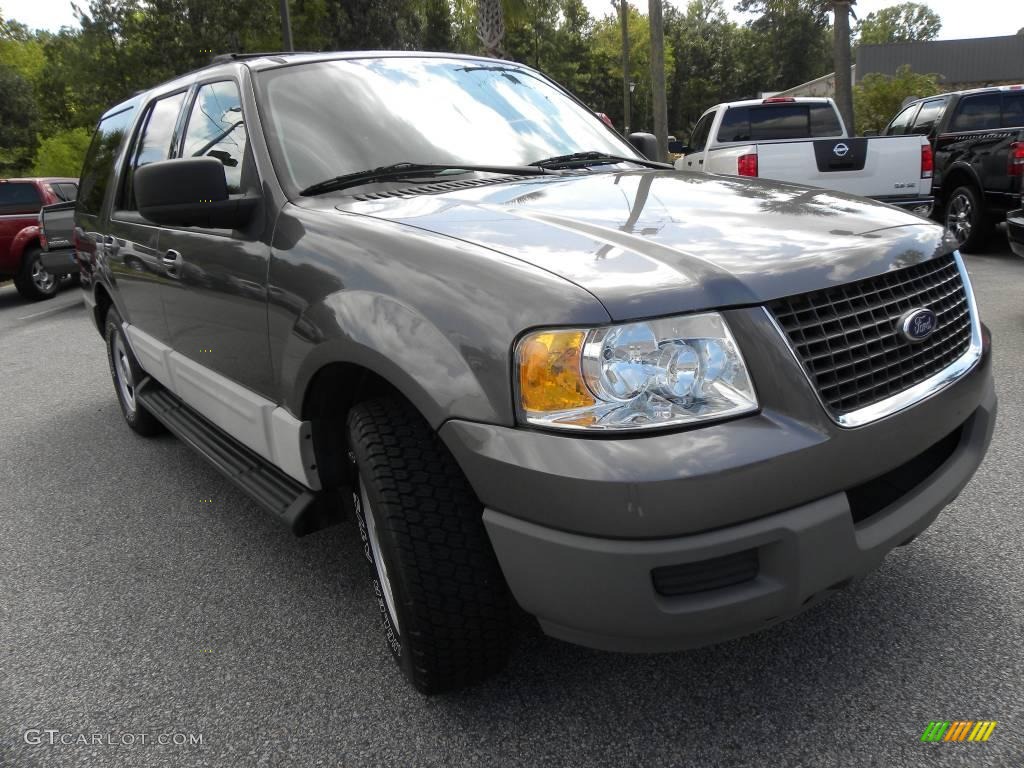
17 122
899 23
62 154
878 98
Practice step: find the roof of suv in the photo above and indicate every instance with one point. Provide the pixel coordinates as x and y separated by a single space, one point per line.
968 92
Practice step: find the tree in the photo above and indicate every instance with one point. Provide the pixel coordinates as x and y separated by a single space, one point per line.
877 98
796 34
17 123
62 154
660 117
841 58
906 22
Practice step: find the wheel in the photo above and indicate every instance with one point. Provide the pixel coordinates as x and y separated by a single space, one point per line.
32 281
445 610
966 219
127 374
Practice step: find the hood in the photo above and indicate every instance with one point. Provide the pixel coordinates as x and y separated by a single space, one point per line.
649 243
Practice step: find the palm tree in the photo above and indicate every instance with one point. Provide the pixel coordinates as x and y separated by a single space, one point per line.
490 27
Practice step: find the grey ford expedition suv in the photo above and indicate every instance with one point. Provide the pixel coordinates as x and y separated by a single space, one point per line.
437 295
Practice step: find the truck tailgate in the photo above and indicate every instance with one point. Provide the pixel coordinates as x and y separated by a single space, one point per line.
876 166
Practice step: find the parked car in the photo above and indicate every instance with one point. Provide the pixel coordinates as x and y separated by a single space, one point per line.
804 141
20 249
656 410
56 236
978 137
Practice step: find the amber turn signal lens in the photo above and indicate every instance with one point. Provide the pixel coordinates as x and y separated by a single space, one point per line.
549 372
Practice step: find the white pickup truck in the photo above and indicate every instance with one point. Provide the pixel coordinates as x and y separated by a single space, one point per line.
804 141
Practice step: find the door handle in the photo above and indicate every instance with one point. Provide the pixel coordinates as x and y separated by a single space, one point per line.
172 260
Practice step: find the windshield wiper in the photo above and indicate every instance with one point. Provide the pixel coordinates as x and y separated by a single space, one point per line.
400 171
593 157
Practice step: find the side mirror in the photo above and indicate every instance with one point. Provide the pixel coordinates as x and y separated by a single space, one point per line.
678 148
190 192
646 144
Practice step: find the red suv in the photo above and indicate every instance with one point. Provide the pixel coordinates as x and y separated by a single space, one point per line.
20 248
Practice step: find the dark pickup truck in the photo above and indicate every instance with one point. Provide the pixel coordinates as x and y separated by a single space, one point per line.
531 365
20 247
978 139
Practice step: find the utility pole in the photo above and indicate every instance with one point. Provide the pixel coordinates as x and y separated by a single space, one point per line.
658 78
841 60
286 27
626 96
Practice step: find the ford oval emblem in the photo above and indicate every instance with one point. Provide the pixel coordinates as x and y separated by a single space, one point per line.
918 324
840 150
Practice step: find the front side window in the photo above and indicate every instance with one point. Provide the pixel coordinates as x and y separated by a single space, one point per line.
930 112
901 122
699 140
216 129
154 142
325 119
977 113
99 160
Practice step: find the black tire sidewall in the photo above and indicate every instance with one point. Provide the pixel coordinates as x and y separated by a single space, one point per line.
978 219
140 420
394 637
23 281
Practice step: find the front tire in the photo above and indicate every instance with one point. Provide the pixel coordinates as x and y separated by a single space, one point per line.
966 219
127 375
445 610
32 281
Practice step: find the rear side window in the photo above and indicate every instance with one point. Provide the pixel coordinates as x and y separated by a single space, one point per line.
1013 110
778 121
216 129
977 113
154 141
930 112
19 197
99 161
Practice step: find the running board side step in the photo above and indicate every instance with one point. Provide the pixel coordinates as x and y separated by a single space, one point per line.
284 497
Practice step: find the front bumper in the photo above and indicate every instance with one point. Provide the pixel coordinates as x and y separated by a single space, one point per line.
59 262
582 526
1015 230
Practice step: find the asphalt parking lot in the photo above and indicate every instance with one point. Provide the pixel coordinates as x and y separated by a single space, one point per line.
141 594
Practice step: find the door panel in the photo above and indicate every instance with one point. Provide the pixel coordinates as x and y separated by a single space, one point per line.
217 307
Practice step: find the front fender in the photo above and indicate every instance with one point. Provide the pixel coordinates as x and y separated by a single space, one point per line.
400 345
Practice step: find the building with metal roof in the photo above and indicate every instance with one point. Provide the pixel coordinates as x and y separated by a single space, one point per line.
959 64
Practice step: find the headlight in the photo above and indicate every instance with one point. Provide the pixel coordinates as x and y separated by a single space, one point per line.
656 373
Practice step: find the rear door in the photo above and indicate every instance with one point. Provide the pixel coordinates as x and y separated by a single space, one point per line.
131 241
19 203
694 159
217 304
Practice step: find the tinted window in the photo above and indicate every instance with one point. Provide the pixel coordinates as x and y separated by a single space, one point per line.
774 121
901 122
328 118
65 191
699 139
824 121
1013 110
930 112
19 197
99 160
977 113
216 128
154 141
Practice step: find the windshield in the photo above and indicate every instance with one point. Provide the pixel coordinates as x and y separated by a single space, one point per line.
330 118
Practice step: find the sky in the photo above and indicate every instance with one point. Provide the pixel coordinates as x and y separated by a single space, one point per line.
960 18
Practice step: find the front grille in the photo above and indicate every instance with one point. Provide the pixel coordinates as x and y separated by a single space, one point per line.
716 573
846 337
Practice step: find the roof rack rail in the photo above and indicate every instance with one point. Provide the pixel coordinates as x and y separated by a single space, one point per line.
223 58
